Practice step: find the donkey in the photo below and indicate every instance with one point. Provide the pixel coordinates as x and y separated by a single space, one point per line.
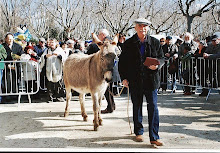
90 74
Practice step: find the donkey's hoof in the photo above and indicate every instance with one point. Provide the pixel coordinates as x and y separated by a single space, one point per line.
66 114
95 128
100 121
85 118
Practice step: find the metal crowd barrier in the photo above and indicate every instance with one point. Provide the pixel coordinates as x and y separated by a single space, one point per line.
19 78
23 77
195 72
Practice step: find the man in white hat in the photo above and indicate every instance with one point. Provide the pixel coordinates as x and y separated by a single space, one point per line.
70 43
142 79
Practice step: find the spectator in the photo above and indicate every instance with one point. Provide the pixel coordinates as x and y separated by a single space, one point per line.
80 47
53 60
162 41
1 41
201 50
142 80
201 67
121 40
86 44
67 51
3 55
186 50
70 44
208 40
41 47
14 51
77 44
93 48
212 52
116 75
29 69
178 42
171 53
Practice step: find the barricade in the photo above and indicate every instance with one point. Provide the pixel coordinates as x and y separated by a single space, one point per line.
195 72
20 78
23 77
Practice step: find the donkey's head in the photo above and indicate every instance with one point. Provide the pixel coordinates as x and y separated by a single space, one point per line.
107 55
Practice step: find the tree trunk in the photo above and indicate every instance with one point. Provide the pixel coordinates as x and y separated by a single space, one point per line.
189 23
68 32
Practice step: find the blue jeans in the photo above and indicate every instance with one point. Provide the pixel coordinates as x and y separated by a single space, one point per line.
153 114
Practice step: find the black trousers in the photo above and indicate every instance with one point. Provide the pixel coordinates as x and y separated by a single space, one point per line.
52 89
109 98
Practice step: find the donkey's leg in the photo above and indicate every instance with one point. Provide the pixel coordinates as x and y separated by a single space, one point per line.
83 112
99 112
68 98
95 111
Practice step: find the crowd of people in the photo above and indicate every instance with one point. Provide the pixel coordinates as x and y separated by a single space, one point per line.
180 51
138 64
178 63
50 55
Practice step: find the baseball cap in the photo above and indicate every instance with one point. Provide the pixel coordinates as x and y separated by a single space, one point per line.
169 37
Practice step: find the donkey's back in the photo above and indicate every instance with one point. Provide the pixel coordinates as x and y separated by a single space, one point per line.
76 72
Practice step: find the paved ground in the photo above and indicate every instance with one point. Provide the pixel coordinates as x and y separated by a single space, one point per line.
186 122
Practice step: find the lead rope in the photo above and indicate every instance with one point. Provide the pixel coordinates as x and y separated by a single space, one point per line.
127 104
128 112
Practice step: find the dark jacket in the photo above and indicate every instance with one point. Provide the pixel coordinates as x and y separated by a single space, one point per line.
214 51
131 64
171 49
16 49
93 48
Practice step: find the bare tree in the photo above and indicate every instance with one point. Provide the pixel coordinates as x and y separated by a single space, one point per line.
10 12
216 14
37 18
118 15
163 15
79 18
190 10
66 13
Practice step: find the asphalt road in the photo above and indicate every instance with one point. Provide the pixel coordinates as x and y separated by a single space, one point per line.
186 123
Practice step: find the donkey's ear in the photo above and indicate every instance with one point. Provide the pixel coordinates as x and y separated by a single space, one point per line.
96 40
115 39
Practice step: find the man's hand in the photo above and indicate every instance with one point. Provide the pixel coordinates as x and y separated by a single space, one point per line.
205 55
125 83
48 55
167 55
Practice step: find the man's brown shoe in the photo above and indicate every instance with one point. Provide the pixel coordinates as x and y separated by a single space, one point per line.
139 138
157 142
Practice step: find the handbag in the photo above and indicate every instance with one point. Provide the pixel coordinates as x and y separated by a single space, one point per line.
172 67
